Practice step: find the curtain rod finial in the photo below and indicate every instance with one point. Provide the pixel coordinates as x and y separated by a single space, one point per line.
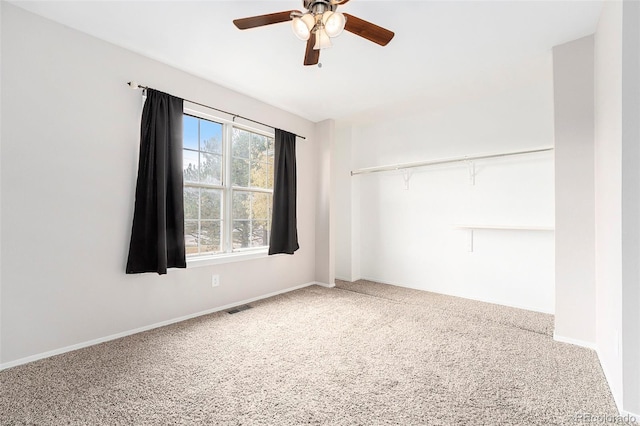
133 85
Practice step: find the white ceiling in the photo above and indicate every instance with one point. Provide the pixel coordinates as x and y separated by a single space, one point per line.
442 49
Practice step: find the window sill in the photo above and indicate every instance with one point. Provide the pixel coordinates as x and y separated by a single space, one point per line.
195 262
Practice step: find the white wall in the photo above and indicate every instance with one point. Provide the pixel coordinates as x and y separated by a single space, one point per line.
631 206
617 165
407 237
325 261
1 6
608 194
574 186
69 158
340 172
614 79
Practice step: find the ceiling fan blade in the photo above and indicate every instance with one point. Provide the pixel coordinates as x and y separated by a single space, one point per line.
367 30
261 20
311 56
339 2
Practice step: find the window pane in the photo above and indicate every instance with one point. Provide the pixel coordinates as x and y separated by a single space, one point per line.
270 171
210 236
241 233
204 165
259 233
270 161
191 236
240 143
210 136
258 178
258 148
241 205
211 204
240 172
211 168
191 202
189 132
190 166
260 206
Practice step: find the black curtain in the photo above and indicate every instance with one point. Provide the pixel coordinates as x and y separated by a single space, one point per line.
157 236
284 232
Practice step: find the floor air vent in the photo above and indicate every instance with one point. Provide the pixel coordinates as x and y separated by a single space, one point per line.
238 309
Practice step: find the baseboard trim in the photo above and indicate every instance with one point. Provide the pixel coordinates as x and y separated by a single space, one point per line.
349 280
577 342
115 336
324 284
607 376
484 300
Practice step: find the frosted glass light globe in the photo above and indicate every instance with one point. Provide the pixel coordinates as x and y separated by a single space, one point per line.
322 40
333 23
309 20
303 25
300 29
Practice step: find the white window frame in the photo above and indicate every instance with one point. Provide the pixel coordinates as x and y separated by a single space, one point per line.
228 254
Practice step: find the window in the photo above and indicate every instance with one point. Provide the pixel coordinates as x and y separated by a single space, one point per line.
228 187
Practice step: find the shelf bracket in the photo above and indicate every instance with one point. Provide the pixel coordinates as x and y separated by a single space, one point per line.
472 172
406 175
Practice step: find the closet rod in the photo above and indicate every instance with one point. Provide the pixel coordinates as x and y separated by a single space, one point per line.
402 166
135 85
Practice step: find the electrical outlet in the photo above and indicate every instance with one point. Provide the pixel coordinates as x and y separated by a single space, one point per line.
215 280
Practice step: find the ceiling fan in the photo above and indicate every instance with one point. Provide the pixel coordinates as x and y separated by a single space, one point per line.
318 25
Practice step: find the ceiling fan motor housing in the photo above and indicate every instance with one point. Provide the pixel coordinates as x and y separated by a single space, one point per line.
318 7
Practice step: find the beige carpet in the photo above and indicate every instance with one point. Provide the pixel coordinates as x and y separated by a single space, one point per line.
476 311
369 355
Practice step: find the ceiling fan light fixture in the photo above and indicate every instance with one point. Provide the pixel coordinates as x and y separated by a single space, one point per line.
333 23
318 24
322 40
300 29
309 20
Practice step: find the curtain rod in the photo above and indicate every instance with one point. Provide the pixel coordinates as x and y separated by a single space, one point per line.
135 85
442 161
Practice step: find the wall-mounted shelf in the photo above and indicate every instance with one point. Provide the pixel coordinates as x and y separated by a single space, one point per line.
472 228
506 227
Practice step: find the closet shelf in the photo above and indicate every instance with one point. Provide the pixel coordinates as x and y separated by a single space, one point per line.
505 227
472 228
